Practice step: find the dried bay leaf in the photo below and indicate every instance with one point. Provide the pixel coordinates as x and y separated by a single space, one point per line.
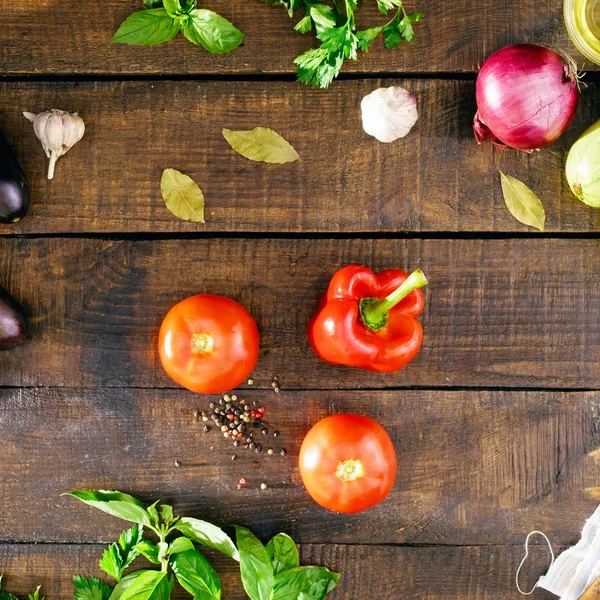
182 196
522 203
261 144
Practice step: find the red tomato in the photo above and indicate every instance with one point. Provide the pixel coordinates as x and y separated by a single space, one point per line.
208 344
348 463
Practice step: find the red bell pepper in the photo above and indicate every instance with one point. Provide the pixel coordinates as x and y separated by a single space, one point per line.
367 320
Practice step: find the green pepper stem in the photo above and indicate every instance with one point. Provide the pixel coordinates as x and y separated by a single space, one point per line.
374 312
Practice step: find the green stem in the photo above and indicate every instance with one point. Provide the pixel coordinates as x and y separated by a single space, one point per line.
164 560
374 312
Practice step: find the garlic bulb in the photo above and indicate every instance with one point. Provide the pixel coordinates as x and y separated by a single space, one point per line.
389 113
58 131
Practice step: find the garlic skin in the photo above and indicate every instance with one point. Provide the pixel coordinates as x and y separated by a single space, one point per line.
58 131
389 113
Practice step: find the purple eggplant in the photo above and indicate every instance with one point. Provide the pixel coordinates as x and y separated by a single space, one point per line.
13 322
14 190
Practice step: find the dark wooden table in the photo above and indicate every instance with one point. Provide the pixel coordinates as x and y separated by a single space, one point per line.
495 422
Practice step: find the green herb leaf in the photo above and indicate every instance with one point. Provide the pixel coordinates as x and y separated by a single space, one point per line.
391 35
154 514
261 144
181 544
255 565
150 585
126 583
149 550
114 503
522 203
208 535
307 583
283 553
386 5
36 594
90 588
148 4
111 562
127 541
182 196
405 26
304 25
166 513
174 8
147 28
211 31
195 575
323 15
367 36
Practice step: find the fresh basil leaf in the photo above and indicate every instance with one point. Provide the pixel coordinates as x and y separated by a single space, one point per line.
36 594
304 583
154 514
522 203
166 513
211 31
207 534
90 588
182 196
5 595
111 562
114 503
283 553
126 583
181 544
196 575
173 7
147 28
255 565
148 4
261 144
150 585
149 550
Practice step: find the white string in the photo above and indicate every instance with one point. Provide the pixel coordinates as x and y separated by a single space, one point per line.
525 558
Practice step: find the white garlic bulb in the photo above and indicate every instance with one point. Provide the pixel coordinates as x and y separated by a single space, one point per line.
389 113
58 131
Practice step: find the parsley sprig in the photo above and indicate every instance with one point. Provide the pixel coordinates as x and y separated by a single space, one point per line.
335 27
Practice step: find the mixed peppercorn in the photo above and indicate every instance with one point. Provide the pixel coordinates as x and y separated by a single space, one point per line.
243 423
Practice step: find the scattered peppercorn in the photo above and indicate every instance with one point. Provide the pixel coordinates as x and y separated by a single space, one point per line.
276 434
206 429
270 451
177 463
233 456
283 452
263 486
265 431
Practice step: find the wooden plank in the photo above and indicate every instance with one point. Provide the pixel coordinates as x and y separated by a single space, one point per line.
519 313
461 573
50 37
474 467
437 179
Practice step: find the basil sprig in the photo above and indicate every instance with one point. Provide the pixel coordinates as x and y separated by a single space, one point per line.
162 20
270 572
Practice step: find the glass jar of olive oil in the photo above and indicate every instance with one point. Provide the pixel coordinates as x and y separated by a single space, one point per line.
583 24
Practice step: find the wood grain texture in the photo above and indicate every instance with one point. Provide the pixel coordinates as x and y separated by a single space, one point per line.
518 313
51 37
474 467
393 573
437 179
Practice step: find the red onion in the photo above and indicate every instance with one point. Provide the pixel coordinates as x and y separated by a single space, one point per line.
526 97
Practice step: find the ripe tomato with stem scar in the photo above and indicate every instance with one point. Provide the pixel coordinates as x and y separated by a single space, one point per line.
208 344
348 463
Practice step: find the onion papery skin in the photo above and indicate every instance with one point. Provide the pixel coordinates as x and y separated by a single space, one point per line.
526 97
583 167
